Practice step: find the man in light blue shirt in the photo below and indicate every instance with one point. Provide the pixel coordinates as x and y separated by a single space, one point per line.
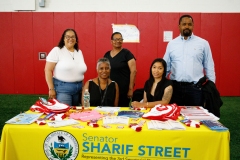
188 59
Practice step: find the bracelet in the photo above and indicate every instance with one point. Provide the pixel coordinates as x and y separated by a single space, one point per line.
51 89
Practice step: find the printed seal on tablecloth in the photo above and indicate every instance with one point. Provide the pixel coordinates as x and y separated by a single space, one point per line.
61 145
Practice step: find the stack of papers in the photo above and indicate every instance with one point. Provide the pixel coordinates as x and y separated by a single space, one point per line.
62 123
24 118
107 109
131 114
214 125
165 125
192 109
196 113
115 120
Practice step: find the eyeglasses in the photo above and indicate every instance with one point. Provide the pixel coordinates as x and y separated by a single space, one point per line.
117 39
68 37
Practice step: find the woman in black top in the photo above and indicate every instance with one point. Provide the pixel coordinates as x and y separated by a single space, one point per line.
157 89
103 91
123 68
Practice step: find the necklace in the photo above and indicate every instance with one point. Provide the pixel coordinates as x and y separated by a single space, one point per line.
100 90
71 54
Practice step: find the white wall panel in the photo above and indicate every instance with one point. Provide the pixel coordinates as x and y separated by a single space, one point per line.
23 5
207 6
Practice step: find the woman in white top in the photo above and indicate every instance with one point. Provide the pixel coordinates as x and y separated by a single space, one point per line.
64 69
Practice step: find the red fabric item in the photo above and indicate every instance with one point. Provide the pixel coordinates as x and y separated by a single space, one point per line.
58 117
163 112
192 123
94 125
53 106
135 127
41 122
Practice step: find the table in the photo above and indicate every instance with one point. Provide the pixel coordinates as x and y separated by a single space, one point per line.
34 142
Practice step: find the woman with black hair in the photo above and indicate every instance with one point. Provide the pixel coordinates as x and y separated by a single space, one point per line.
64 70
123 68
157 89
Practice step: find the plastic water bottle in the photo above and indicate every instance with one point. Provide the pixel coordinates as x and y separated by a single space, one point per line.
86 99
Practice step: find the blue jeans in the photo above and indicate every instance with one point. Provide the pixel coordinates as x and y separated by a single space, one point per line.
68 92
187 95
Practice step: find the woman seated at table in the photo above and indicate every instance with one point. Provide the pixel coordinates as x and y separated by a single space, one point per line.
157 89
103 91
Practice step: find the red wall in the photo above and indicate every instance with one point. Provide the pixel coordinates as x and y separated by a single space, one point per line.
24 34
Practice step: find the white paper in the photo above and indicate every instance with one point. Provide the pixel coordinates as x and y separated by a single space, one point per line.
129 32
62 123
107 109
167 36
115 120
165 125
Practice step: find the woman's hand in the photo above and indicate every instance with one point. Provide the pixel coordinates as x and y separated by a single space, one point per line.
136 104
130 93
52 94
49 67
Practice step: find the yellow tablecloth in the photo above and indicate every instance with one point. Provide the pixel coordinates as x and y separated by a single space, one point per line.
34 142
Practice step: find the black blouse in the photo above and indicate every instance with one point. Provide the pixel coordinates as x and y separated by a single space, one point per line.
96 96
159 91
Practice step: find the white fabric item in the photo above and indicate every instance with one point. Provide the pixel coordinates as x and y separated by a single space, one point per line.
67 69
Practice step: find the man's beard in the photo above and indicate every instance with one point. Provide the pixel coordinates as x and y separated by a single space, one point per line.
187 32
